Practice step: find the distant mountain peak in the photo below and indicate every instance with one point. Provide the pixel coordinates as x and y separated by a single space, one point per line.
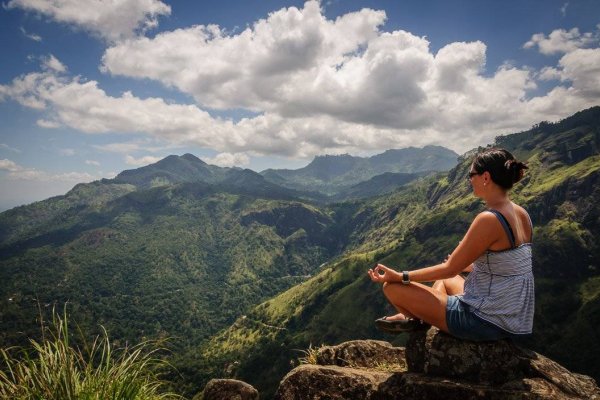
193 158
333 174
169 170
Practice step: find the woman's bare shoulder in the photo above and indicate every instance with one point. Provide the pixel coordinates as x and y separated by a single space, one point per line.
520 211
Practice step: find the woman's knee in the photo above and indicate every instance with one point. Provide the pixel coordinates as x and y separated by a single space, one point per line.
388 286
454 285
439 286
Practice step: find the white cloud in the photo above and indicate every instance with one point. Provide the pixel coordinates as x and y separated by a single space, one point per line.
142 160
563 9
118 147
317 86
112 20
32 36
67 152
582 68
549 73
261 66
92 162
229 160
8 165
561 41
52 63
44 123
17 172
133 146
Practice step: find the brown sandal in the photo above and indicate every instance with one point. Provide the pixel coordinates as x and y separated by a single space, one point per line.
401 325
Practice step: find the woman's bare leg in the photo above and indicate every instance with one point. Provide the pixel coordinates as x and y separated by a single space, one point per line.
439 286
450 286
418 301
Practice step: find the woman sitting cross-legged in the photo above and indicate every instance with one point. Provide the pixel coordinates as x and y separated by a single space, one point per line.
496 301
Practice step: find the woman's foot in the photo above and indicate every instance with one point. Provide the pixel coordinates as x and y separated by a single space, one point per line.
399 323
396 317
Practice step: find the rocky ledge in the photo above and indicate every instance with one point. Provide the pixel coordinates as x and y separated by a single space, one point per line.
433 365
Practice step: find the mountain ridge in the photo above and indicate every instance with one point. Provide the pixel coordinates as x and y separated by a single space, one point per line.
333 175
417 226
242 274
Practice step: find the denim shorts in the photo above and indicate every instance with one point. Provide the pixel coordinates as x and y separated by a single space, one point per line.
464 324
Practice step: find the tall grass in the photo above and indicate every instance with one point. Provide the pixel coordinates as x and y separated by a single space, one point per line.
54 369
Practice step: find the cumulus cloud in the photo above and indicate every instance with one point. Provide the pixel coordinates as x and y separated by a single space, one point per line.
579 66
142 160
582 69
561 41
229 160
314 85
112 20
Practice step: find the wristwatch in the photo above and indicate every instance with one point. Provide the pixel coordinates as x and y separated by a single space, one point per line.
405 278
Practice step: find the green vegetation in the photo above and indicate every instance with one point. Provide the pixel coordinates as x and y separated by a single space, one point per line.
242 274
310 355
55 369
417 226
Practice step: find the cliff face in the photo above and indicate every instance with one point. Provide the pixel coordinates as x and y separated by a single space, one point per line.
433 366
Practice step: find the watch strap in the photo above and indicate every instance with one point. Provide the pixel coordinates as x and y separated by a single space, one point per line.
405 278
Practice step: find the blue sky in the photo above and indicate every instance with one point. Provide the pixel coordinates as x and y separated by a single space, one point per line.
88 88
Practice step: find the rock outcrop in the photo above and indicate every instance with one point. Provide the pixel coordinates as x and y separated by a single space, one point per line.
433 366
362 353
229 389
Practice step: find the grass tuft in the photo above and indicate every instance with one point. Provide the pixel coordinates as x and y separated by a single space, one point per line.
310 355
55 369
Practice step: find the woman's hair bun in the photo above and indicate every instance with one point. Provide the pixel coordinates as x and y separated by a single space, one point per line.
504 169
516 169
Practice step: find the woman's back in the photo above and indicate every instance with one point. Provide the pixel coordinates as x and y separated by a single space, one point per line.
519 222
500 288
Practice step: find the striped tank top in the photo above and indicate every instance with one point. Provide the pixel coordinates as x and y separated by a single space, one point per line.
500 287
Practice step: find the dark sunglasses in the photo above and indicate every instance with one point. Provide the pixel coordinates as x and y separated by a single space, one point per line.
472 174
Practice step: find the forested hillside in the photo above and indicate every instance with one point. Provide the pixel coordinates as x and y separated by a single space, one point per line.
417 226
175 249
242 272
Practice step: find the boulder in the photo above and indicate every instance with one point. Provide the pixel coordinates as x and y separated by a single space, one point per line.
229 389
424 387
496 363
438 354
363 353
329 382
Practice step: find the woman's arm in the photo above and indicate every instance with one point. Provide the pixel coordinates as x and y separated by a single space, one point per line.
481 235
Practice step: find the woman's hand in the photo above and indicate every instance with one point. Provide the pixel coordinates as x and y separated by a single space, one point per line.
382 274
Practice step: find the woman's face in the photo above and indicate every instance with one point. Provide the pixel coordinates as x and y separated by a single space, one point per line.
475 178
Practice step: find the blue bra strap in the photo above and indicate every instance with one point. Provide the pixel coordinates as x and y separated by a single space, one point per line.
506 226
